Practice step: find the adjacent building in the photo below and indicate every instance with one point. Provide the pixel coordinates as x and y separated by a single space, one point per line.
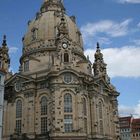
2 78
125 127
129 128
58 93
135 133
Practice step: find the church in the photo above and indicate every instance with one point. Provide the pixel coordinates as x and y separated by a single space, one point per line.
58 94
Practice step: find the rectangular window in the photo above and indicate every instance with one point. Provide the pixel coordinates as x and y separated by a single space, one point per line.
44 125
101 126
18 126
85 124
44 110
26 65
68 107
18 113
68 125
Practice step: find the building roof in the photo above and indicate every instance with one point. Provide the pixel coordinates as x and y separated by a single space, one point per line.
136 125
125 122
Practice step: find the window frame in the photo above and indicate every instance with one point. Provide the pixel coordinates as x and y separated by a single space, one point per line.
44 115
67 103
19 113
84 107
68 123
18 109
66 57
26 65
68 78
44 106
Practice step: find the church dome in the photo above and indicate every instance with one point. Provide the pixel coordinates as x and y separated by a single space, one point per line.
52 39
43 30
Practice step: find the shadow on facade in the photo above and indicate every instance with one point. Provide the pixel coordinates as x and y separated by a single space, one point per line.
24 136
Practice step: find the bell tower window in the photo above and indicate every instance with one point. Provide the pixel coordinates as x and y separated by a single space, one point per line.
66 57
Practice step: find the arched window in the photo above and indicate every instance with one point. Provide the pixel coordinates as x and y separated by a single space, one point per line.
67 103
43 109
100 110
68 117
19 109
26 65
84 107
66 57
18 116
43 106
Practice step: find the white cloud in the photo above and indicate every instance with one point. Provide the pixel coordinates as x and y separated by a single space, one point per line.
137 109
136 42
126 110
129 1
13 50
130 110
103 40
138 24
107 27
121 62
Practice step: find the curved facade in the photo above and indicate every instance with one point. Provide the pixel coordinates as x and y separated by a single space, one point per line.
58 94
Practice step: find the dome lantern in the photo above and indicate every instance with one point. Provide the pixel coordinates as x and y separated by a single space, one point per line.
52 5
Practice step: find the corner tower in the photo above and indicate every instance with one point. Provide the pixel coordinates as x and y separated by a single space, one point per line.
55 95
4 57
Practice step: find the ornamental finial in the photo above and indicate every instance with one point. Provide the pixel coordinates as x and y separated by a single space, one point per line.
4 41
98 45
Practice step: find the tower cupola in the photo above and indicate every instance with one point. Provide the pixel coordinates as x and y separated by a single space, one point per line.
4 56
99 66
52 5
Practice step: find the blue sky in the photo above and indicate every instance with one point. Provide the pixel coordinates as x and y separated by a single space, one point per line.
114 23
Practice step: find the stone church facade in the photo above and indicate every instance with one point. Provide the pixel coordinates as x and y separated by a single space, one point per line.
58 94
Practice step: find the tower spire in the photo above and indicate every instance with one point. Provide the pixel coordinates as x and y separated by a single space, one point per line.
4 56
98 54
98 45
4 41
